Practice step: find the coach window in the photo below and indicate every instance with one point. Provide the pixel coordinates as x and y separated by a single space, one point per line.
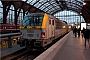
37 20
52 22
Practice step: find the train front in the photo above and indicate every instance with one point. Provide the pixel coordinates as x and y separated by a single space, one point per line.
32 30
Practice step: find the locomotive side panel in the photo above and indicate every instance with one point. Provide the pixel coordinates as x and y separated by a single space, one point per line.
49 31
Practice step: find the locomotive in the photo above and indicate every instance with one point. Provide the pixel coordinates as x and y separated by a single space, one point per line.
40 29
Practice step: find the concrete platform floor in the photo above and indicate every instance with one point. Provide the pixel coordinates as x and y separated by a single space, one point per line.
73 49
67 48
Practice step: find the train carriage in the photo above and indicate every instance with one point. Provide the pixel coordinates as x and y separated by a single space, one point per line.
40 29
9 28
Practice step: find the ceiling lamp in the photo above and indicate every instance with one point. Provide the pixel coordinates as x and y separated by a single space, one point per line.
84 3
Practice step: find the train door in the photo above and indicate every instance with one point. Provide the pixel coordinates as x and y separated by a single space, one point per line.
53 28
49 29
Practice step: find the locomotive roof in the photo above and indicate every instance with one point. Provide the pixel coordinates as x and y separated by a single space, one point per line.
36 13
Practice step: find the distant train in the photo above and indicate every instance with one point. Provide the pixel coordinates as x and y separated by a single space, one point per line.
9 28
40 29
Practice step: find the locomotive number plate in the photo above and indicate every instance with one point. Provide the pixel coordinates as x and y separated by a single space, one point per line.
30 35
30 31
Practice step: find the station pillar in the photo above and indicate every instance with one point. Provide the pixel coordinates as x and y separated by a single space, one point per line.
9 42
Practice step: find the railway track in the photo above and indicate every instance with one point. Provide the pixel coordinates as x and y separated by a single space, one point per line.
23 54
8 57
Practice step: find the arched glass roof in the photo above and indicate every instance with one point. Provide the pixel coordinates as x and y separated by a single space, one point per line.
69 16
53 6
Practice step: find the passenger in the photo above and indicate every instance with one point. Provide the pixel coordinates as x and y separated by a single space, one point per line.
82 32
86 34
78 31
89 38
75 31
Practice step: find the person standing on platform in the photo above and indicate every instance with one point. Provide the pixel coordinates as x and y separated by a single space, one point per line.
75 31
82 31
86 34
89 37
78 31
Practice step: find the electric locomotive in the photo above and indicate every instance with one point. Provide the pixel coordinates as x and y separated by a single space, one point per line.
40 29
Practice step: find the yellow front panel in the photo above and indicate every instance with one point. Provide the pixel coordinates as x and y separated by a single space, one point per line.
44 20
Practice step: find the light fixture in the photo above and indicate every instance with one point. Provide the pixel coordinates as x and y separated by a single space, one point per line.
80 13
84 3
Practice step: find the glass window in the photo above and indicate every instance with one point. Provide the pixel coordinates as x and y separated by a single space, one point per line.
1 12
52 22
37 5
33 20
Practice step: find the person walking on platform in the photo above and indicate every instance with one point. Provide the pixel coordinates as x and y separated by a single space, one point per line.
82 31
75 31
86 34
78 31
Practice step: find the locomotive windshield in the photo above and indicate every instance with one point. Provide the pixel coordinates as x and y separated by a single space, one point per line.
33 20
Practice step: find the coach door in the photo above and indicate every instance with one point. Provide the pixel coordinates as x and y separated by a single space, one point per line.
53 28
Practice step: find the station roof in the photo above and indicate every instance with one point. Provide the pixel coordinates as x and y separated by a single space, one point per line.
53 6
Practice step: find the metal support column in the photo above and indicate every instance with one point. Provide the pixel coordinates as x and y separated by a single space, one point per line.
9 42
15 17
80 21
23 13
4 14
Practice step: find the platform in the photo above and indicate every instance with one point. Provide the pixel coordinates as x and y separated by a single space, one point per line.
8 51
67 48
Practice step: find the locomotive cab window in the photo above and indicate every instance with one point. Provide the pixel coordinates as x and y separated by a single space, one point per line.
37 20
33 20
